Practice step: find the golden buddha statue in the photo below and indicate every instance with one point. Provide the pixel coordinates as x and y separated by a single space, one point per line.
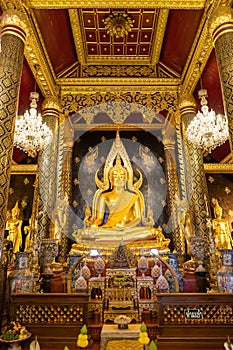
28 232
222 234
14 227
118 209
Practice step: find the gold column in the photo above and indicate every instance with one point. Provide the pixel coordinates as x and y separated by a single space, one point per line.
169 142
47 169
222 34
66 149
13 37
197 191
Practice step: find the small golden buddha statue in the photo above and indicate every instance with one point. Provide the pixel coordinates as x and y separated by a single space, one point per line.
14 227
222 234
118 209
28 232
58 219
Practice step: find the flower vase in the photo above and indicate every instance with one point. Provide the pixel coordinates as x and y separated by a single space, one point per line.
48 253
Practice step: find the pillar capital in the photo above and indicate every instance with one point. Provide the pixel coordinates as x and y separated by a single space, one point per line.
221 22
187 104
13 22
51 106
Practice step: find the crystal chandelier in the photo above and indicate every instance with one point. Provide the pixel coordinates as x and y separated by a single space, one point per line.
207 130
118 24
31 134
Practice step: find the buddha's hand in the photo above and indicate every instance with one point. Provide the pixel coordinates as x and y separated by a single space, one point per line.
83 234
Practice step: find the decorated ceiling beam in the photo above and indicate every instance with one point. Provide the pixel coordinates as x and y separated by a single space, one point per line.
68 4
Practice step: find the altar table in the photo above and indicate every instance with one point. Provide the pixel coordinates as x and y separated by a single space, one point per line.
111 332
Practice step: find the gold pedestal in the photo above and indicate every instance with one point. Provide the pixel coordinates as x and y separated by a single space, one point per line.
136 247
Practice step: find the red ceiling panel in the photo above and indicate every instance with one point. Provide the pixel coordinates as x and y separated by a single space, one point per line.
89 20
118 49
105 49
104 37
57 35
92 49
181 29
147 20
133 36
144 49
145 36
131 49
141 33
91 35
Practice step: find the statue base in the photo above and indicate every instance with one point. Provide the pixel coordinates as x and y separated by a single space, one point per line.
104 249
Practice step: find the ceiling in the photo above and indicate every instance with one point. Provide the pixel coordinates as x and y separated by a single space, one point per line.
169 46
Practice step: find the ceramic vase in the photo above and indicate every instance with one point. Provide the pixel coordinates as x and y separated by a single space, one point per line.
21 278
225 273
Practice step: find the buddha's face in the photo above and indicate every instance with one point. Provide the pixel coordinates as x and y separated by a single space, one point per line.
118 178
218 213
15 213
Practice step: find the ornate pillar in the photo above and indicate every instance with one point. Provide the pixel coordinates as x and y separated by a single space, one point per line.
66 149
47 161
222 33
51 110
197 191
13 37
169 142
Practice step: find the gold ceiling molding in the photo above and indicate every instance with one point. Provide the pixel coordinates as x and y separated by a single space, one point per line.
200 52
78 35
175 4
70 72
36 54
166 72
118 60
72 85
218 168
159 35
227 159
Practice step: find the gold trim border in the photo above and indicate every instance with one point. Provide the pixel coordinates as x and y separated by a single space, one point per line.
24 168
176 4
218 168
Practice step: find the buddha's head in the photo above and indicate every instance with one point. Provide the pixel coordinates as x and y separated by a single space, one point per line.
15 211
118 174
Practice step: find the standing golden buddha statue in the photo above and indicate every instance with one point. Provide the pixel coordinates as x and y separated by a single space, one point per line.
222 234
14 228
